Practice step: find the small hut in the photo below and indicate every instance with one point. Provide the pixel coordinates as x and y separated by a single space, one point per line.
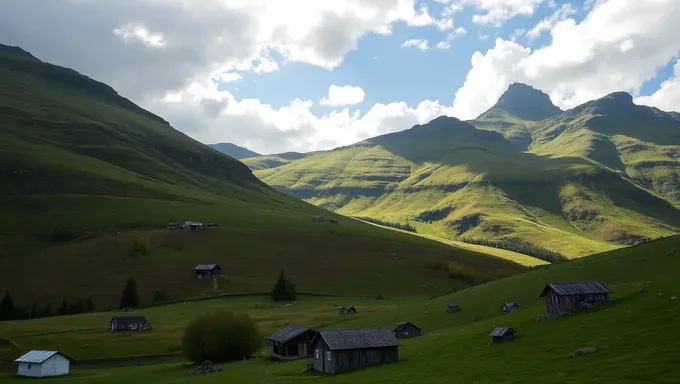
292 342
43 364
174 225
207 271
509 307
349 349
129 323
317 219
502 334
348 310
452 307
406 330
192 225
563 298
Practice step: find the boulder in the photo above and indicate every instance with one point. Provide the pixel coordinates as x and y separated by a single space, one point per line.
583 351
205 368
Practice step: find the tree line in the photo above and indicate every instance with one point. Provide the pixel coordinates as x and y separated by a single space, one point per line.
10 311
520 246
392 224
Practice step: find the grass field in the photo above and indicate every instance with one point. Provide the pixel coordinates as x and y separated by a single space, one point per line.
636 335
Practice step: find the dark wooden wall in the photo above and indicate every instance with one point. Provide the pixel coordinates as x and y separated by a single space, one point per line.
349 360
407 331
557 305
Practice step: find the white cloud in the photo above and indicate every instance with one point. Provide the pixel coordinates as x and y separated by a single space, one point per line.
612 49
343 95
460 31
229 77
498 12
548 23
667 97
130 33
443 45
423 45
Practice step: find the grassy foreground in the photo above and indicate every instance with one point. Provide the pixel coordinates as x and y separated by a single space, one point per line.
636 335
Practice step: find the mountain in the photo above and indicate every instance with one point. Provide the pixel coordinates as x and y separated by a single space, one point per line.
234 150
599 176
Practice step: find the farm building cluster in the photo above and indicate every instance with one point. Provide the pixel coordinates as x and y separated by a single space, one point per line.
191 225
341 350
320 219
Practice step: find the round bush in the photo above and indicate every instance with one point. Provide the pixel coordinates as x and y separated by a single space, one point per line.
221 336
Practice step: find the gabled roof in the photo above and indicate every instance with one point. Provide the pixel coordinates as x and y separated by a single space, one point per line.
501 331
129 319
510 304
287 333
348 307
357 338
205 267
403 324
38 357
580 288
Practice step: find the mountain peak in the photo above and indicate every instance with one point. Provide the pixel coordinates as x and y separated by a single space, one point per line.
16 52
523 101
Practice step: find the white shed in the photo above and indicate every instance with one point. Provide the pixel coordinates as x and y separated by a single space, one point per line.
43 364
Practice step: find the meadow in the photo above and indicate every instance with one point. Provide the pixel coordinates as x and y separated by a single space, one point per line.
636 335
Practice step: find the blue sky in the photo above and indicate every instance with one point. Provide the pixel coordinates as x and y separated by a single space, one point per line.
169 57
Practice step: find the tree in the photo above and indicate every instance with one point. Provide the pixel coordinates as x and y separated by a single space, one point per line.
63 310
129 298
89 306
220 336
48 311
284 289
6 307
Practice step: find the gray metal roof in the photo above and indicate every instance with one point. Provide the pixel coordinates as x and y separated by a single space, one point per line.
38 357
510 304
205 267
287 333
580 288
358 338
501 331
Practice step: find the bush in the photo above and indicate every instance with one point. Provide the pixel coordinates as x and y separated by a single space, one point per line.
142 245
220 336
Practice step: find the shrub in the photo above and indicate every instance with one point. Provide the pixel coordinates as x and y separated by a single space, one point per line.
220 336
141 245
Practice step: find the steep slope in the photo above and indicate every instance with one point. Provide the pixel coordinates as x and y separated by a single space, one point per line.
233 150
87 179
273 161
475 179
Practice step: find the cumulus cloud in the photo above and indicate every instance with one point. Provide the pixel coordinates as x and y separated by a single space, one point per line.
343 95
497 12
423 45
667 97
548 23
443 45
612 49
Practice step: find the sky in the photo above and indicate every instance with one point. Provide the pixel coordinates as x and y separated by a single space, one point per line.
303 75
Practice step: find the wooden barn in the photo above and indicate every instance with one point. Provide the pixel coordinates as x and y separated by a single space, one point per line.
452 307
346 350
292 342
208 271
509 307
563 298
502 334
192 225
406 330
129 323
43 364
348 310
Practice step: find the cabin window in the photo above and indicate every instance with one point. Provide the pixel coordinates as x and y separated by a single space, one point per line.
317 354
29 365
405 333
328 355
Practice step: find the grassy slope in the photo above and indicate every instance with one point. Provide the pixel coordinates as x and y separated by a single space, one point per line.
76 157
636 335
478 183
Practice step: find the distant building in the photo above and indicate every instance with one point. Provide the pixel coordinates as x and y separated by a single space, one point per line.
317 219
192 225
174 225
406 330
333 221
211 225
348 310
502 334
510 307
43 364
452 307
346 350
563 298
292 342
129 323
208 271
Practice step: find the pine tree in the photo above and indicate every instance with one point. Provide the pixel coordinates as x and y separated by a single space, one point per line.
48 311
63 310
129 298
284 289
89 306
6 307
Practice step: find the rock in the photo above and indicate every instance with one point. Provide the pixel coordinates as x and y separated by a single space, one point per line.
583 351
661 294
205 368
674 298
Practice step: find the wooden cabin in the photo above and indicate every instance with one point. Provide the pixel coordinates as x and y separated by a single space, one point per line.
208 271
333 221
406 330
211 225
192 225
174 225
338 351
129 323
452 307
502 334
348 310
317 219
43 364
292 342
509 307
564 298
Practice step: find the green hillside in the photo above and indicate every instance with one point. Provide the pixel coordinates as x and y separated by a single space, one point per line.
233 150
594 178
89 181
635 335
